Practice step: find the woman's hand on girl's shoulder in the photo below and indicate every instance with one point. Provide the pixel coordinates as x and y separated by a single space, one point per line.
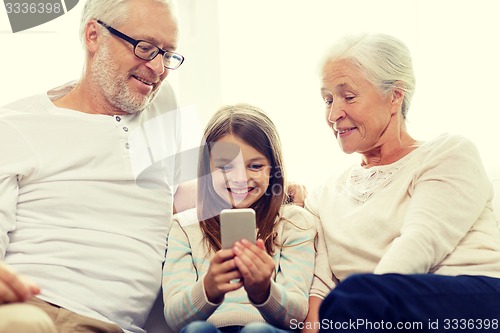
296 194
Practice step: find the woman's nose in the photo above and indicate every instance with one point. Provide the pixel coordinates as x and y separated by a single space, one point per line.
335 113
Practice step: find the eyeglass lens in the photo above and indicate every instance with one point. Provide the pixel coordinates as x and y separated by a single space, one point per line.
148 51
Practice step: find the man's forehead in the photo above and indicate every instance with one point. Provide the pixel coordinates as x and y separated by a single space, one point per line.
153 22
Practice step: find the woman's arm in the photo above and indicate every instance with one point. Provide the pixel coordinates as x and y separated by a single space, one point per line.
450 191
312 323
323 280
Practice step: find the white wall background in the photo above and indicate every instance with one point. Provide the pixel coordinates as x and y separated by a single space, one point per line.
266 52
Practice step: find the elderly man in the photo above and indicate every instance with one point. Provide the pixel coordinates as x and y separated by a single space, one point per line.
87 180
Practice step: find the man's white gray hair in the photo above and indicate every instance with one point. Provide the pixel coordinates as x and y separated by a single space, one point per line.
112 12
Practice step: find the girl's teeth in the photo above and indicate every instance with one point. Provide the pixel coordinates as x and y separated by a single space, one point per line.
239 191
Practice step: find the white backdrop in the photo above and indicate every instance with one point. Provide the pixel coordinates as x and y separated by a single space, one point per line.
266 52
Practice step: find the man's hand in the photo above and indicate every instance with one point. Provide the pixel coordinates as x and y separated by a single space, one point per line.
14 288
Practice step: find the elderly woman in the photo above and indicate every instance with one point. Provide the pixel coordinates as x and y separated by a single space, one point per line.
410 237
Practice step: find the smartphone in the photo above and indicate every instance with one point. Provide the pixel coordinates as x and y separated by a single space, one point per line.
237 224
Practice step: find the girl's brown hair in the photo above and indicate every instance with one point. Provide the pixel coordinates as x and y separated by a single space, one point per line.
254 127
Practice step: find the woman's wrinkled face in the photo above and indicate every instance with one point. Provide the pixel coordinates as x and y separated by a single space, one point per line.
356 110
240 173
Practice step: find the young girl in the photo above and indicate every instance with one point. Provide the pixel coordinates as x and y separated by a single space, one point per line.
260 287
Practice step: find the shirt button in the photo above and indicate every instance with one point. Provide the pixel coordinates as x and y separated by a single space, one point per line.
125 129
118 118
127 145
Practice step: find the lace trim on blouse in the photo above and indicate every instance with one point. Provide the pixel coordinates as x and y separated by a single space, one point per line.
361 183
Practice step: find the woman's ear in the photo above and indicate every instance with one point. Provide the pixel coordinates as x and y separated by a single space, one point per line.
398 95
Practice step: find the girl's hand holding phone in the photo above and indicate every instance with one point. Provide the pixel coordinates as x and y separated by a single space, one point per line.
256 267
222 270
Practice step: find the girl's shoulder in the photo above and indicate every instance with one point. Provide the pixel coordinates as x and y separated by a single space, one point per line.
295 226
185 225
297 216
186 218
187 222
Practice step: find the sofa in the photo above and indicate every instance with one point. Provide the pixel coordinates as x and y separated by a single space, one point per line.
156 321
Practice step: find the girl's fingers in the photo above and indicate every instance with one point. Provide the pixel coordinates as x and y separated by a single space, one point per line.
253 261
254 255
217 280
222 255
222 262
249 266
246 255
243 268
227 277
260 244
258 249
231 286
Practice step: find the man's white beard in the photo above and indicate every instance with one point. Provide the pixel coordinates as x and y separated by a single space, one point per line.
113 84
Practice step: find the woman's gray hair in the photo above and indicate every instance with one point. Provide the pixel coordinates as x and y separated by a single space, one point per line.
384 60
112 12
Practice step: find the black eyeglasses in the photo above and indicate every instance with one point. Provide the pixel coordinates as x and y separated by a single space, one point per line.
147 51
